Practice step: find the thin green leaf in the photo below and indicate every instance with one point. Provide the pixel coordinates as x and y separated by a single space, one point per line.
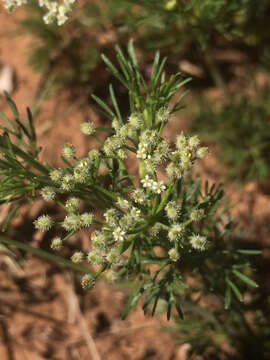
249 252
235 290
104 106
12 106
7 121
115 104
228 298
10 216
244 278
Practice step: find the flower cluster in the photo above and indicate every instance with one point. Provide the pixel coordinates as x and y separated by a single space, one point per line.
187 151
55 11
154 186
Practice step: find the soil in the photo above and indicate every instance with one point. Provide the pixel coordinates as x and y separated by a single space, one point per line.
44 314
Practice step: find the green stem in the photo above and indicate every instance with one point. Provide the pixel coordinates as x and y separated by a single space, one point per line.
46 255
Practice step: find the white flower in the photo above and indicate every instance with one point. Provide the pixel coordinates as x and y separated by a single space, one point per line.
158 187
142 151
147 182
118 234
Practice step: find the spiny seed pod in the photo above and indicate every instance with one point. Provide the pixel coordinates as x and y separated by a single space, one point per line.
88 282
87 219
172 210
69 150
175 232
43 223
135 121
139 196
197 214
202 152
198 242
93 155
56 175
77 257
163 114
181 141
87 128
174 254
72 205
194 142
68 182
123 203
57 243
174 171
95 258
72 222
48 193
113 256
111 276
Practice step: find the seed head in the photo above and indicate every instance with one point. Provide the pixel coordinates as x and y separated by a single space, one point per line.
197 214
48 193
56 175
172 210
163 114
174 254
72 205
87 282
95 258
67 182
77 257
202 152
175 232
198 242
193 142
87 128
69 150
57 243
72 222
87 219
43 223
135 121
181 141
174 171
123 203
113 256
139 196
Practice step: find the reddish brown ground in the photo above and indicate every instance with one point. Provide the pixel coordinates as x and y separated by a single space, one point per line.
39 314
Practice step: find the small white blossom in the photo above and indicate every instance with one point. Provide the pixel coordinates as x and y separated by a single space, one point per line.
142 151
158 187
119 234
147 182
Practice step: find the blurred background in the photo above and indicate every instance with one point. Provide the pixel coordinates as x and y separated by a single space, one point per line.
225 47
